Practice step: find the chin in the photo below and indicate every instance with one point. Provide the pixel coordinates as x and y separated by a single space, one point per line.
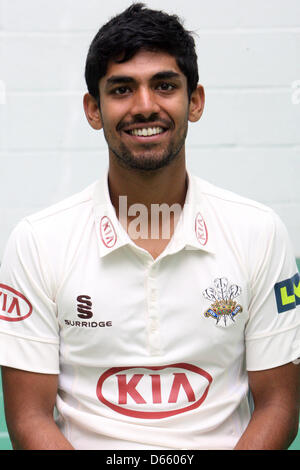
150 162
147 164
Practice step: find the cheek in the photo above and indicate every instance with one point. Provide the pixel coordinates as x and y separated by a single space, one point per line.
111 113
179 110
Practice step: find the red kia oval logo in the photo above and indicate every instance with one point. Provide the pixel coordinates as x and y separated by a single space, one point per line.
201 229
13 305
153 392
107 232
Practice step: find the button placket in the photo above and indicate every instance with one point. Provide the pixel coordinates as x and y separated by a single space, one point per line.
153 329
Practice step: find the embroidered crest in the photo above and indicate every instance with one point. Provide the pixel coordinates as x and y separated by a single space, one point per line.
222 295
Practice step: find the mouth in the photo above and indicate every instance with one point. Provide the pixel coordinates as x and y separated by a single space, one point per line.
146 131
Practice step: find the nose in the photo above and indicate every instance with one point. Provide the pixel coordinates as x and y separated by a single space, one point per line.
145 103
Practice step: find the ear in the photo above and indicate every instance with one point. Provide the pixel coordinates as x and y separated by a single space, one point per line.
92 111
196 106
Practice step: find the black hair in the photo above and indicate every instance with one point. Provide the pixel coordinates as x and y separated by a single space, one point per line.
139 28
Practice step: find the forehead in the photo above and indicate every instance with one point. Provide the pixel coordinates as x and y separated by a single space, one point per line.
143 65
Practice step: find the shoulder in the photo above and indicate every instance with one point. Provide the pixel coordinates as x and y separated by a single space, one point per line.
224 198
236 215
57 224
233 209
65 209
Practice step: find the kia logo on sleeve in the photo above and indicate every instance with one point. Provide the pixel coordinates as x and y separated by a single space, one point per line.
14 305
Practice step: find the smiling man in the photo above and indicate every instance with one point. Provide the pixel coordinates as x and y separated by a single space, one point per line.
144 110
143 107
142 340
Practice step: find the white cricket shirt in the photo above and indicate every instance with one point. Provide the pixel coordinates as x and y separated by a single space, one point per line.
151 353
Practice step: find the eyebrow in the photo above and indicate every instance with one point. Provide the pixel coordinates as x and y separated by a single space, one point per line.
164 75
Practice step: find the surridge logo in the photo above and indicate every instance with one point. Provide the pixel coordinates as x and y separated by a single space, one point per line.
13 304
84 309
153 392
84 306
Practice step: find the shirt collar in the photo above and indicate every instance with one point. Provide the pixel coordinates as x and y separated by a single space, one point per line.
192 231
110 233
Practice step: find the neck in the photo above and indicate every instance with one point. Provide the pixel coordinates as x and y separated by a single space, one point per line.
167 185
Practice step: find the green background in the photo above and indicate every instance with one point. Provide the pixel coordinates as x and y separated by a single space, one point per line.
6 445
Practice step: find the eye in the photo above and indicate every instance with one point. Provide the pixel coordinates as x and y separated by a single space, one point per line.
121 90
166 86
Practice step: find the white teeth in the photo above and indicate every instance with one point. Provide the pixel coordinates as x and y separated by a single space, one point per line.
147 131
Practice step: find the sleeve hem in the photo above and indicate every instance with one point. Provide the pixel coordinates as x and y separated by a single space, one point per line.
29 338
274 350
272 333
33 356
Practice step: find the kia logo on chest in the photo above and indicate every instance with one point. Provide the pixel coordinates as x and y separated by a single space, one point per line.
107 232
13 305
153 392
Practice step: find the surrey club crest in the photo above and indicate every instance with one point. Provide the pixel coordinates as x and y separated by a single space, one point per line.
222 295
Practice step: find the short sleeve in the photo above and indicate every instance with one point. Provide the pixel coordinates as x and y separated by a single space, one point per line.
272 333
29 330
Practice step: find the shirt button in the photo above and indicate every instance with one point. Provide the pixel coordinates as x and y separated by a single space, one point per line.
153 295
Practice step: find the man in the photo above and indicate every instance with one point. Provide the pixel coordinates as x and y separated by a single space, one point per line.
146 338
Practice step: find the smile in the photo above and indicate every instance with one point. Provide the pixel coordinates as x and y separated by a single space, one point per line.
146 131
